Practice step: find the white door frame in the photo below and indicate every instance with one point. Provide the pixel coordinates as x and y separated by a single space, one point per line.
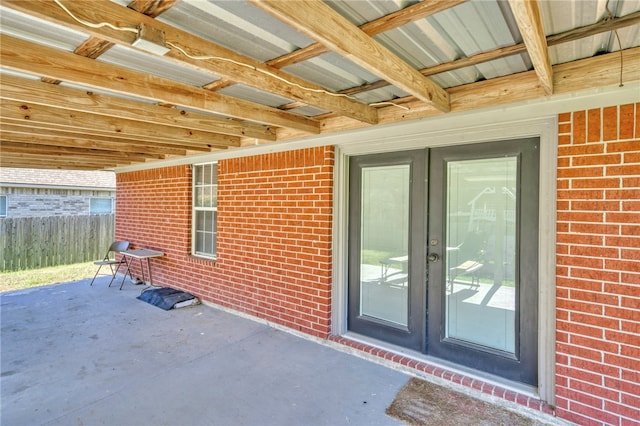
425 135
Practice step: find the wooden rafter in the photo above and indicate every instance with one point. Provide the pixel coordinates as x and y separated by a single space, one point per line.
503 52
527 14
92 138
320 22
93 47
52 137
147 118
599 71
36 59
24 148
34 92
221 61
40 161
397 19
33 113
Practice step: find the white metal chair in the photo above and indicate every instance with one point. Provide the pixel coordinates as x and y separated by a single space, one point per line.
111 261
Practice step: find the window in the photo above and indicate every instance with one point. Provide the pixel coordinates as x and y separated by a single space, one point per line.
205 209
101 206
3 205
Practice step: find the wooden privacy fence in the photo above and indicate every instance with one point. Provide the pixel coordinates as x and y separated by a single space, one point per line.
37 242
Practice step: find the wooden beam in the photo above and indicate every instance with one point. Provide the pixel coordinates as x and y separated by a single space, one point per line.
58 165
36 59
25 148
584 74
94 47
572 77
502 52
30 91
224 62
319 21
43 132
33 113
529 20
12 132
55 162
152 8
397 19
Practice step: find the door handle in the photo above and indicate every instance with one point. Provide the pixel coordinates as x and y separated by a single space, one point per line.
433 257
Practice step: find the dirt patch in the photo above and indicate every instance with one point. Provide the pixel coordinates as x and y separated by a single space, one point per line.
423 403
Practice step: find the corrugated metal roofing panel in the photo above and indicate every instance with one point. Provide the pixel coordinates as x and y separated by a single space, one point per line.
332 71
560 16
238 26
26 27
156 65
361 12
461 31
254 95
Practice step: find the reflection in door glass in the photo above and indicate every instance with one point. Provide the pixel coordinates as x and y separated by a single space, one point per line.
384 243
481 252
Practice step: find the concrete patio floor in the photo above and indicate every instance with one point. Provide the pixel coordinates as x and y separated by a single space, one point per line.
78 355
72 354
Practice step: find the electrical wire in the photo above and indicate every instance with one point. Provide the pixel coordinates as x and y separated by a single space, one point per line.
270 74
220 58
98 25
254 68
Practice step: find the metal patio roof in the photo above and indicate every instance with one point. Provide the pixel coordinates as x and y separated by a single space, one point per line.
77 94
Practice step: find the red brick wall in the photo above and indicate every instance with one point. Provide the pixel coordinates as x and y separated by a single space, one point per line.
274 248
274 234
598 266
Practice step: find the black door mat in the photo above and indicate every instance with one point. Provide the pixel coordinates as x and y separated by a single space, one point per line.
423 403
167 298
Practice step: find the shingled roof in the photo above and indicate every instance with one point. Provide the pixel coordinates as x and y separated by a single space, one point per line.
105 180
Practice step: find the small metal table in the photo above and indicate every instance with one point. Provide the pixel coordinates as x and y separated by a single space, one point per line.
140 254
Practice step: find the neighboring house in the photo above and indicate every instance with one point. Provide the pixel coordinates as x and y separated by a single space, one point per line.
39 192
296 237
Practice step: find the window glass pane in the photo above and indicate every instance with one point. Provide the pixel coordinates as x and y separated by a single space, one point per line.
208 173
197 175
481 252
208 202
208 242
199 242
197 199
214 196
199 220
3 205
385 243
101 206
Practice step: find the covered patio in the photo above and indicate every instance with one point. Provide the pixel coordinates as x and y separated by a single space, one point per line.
75 354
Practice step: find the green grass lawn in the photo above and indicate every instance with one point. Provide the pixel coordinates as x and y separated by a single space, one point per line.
45 276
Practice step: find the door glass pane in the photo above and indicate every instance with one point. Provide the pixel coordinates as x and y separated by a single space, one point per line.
384 236
481 252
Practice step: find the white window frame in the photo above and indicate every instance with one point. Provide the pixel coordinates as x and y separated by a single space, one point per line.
196 208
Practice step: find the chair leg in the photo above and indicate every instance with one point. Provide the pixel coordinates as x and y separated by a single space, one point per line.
94 277
128 271
113 274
